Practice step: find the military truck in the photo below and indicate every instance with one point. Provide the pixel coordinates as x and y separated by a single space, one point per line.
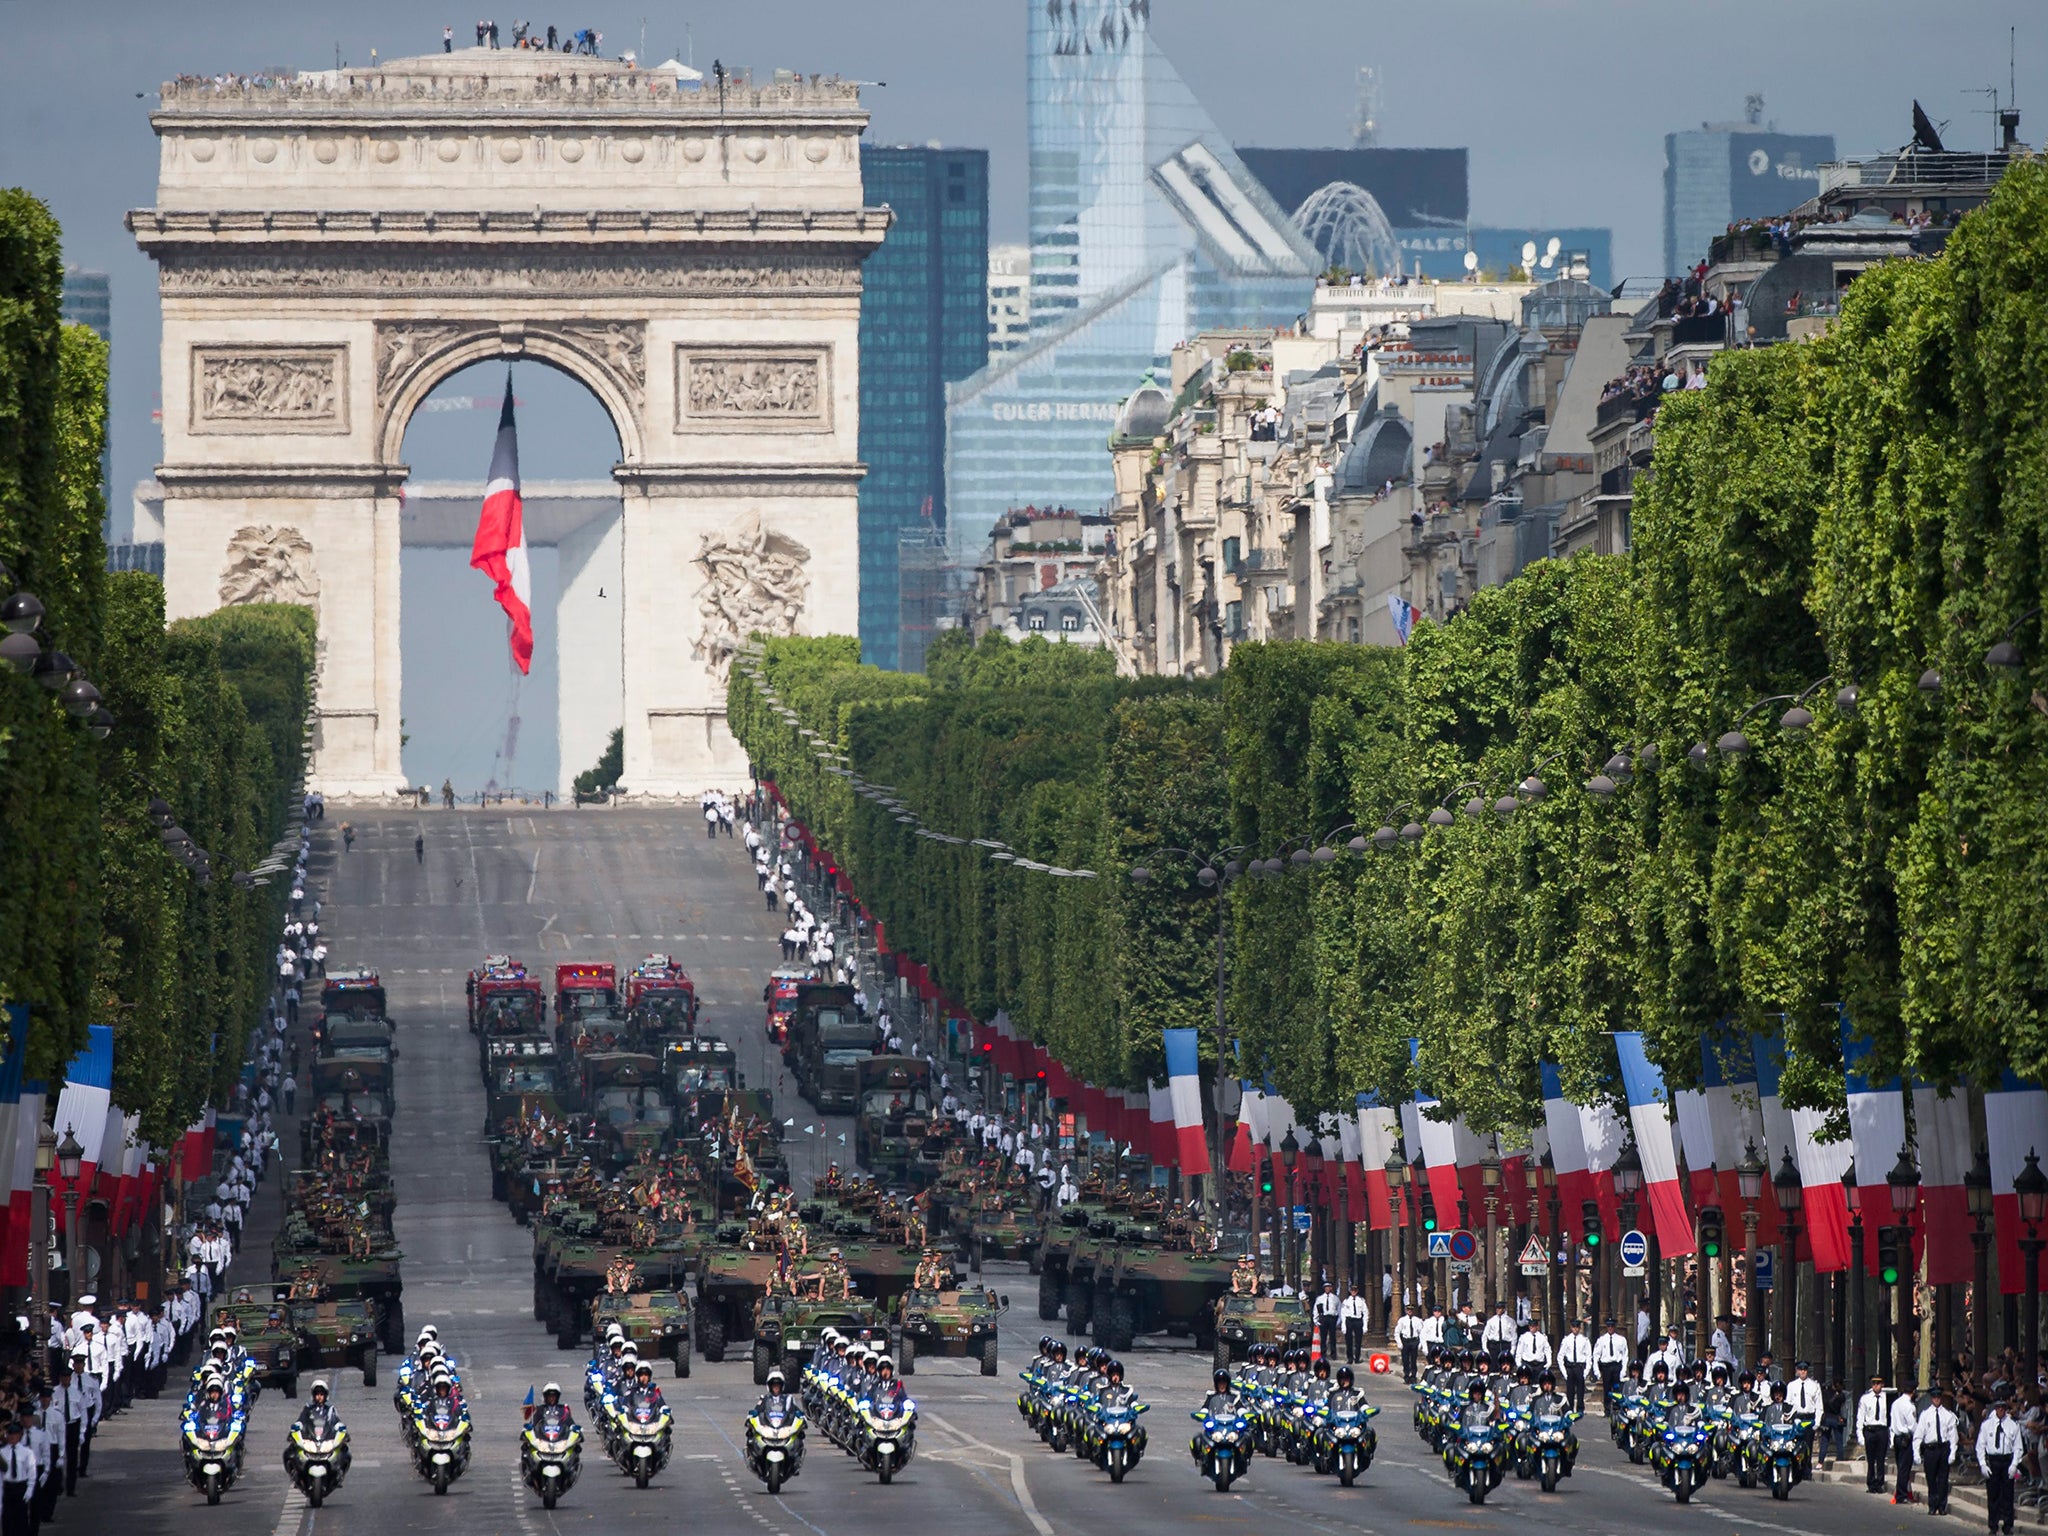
731 1281
622 1092
355 1088
654 1322
893 1115
263 1332
504 1000
1002 1226
827 1042
1066 1259
950 1322
296 1253
524 1076
574 1251
787 1330
333 1334
354 995
701 1072
1239 1322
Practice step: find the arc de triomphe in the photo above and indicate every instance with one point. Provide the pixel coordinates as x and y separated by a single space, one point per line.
332 246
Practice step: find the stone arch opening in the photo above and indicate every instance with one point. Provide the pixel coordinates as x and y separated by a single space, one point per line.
469 718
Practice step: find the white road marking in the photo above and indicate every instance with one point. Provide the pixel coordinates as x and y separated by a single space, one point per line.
1018 1485
293 1514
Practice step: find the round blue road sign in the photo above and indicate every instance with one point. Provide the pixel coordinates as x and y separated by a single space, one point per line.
1635 1248
1463 1246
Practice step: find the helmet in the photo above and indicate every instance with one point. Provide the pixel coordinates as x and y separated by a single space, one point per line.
775 1377
1476 1391
552 1389
1222 1379
1116 1370
1344 1376
1322 1368
884 1366
428 1332
1547 1379
319 1387
1777 1389
644 1370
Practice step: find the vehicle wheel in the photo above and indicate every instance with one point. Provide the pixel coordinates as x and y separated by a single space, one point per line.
440 1481
540 1300
1476 1490
213 1495
1048 1298
1683 1488
886 1471
316 1490
291 1385
640 1479
1080 1308
568 1334
1550 1479
1743 1479
370 1364
547 1500
1781 1491
763 1363
906 1357
1224 1480
1116 1469
394 1327
498 1185
711 1339
683 1358
774 1477
988 1356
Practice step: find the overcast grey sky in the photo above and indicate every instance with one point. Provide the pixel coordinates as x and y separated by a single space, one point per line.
1563 103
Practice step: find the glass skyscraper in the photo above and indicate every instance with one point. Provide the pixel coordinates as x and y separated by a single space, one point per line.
923 324
88 300
1145 229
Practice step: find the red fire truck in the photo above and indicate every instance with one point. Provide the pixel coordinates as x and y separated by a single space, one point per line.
660 997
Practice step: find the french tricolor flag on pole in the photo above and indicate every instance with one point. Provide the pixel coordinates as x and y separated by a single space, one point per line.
2015 1123
1644 1083
1567 1151
1184 1082
500 547
87 1099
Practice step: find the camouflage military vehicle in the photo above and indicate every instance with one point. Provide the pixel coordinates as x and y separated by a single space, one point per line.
333 1334
622 1092
1242 1321
574 1252
1159 1278
787 1329
893 1113
522 1075
656 1323
1002 1226
950 1323
263 1332
731 1282
297 1253
1068 1248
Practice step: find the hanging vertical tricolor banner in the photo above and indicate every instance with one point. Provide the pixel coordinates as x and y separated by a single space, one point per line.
86 1101
1824 1210
1877 1135
2015 1123
1159 1120
1379 1133
195 1152
1941 1134
500 547
1728 1079
1649 1116
1439 1140
1696 1141
1567 1151
1184 1083
21 1120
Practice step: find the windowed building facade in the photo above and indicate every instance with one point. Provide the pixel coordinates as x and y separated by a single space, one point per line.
923 324
1145 229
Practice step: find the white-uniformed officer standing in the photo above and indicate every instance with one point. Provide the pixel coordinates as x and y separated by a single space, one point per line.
1575 1354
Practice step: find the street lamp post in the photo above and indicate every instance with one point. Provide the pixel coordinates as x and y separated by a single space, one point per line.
1489 1177
1749 1180
1290 1153
1858 1360
1791 1193
2031 1185
1628 1182
1397 1229
1977 1190
1904 1184
39 1246
69 1156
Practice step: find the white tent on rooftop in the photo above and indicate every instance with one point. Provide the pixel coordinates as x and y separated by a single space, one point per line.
677 68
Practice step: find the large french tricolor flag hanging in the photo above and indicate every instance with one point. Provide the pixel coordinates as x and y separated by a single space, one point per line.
1567 1151
87 1100
1941 1134
500 547
2015 1123
1643 1081
21 1120
1824 1211
1184 1081
1439 1141
1379 1132
1877 1134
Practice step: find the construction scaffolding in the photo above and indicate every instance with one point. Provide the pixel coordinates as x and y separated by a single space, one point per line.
931 592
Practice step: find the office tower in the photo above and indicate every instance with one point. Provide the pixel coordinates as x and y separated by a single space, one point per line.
923 324
1145 229
1009 297
1720 172
89 301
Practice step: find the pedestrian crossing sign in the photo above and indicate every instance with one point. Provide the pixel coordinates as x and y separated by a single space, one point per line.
1532 1252
1439 1245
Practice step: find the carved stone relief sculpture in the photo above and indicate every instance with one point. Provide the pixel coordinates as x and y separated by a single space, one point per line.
268 389
402 346
269 564
753 390
755 580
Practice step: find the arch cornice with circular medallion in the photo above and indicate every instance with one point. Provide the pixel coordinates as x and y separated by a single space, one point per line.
413 356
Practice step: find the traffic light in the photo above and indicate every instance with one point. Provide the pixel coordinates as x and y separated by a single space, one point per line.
1589 1218
1428 1214
1710 1232
1888 1255
1265 1176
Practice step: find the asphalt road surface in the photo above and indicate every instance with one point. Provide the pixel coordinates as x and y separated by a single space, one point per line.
617 885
